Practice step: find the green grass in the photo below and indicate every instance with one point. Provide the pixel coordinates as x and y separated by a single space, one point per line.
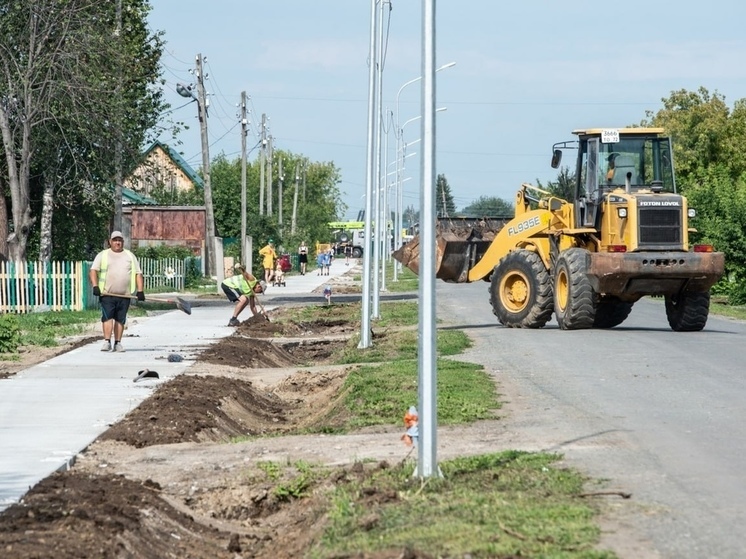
380 395
399 345
512 504
509 504
723 309
407 280
47 328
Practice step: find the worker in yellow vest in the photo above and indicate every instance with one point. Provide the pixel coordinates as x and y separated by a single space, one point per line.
115 276
242 290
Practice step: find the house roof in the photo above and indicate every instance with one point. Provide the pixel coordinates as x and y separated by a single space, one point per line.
178 160
132 198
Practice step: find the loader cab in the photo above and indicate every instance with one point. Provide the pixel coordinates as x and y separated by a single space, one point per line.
630 159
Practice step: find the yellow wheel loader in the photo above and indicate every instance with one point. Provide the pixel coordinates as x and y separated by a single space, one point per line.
622 236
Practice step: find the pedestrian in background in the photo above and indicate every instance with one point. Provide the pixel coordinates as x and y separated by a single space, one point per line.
115 276
242 290
348 254
303 257
269 256
327 261
320 259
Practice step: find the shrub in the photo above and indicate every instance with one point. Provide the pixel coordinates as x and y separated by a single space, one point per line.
163 251
10 333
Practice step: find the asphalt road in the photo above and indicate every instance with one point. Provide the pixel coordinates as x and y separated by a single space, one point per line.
657 413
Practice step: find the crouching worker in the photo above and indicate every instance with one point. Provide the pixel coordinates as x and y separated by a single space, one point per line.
241 289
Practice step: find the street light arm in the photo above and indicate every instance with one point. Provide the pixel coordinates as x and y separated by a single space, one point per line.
410 82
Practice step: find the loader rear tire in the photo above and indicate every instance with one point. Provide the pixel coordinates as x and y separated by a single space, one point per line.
521 290
611 311
688 312
574 298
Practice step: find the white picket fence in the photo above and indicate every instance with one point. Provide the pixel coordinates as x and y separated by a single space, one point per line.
167 273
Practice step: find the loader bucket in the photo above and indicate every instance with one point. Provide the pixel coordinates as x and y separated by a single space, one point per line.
458 247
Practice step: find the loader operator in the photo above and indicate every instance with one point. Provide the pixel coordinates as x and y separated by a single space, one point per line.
612 166
241 289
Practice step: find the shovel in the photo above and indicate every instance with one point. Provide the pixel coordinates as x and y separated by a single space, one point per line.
264 313
180 303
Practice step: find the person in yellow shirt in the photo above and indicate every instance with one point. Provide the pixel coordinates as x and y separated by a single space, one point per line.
269 256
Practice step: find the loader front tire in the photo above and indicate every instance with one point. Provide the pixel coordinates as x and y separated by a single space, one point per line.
521 290
687 312
574 298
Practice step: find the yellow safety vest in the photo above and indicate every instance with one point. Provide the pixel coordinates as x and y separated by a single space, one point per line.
241 284
105 267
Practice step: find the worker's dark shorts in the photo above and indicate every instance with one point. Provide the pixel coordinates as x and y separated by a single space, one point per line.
114 307
232 294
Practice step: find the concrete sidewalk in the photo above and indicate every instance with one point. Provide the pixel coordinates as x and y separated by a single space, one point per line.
52 411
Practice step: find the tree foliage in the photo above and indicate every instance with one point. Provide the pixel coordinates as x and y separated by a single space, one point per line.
563 187
76 94
489 206
444 203
319 200
711 172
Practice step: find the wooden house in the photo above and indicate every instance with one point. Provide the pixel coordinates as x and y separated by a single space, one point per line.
165 167
144 222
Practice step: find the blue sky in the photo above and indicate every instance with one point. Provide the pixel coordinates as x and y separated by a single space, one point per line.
526 75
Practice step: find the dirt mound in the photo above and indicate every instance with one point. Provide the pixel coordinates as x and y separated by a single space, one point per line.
260 327
197 408
70 515
200 408
250 353
75 514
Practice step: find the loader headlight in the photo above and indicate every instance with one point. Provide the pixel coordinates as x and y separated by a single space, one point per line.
621 212
691 212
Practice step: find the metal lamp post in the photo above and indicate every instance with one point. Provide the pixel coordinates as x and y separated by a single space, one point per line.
400 157
399 134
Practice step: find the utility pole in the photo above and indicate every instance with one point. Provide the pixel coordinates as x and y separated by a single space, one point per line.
269 175
210 264
244 131
305 172
294 221
118 171
444 211
262 160
280 178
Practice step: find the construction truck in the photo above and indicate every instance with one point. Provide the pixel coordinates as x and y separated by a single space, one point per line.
348 233
624 234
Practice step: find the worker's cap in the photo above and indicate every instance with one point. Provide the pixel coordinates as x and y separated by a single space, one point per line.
263 285
270 241
116 235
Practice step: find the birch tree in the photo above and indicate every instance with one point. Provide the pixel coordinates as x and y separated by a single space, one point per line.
77 92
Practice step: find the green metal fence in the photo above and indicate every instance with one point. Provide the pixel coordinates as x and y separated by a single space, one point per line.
33 286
